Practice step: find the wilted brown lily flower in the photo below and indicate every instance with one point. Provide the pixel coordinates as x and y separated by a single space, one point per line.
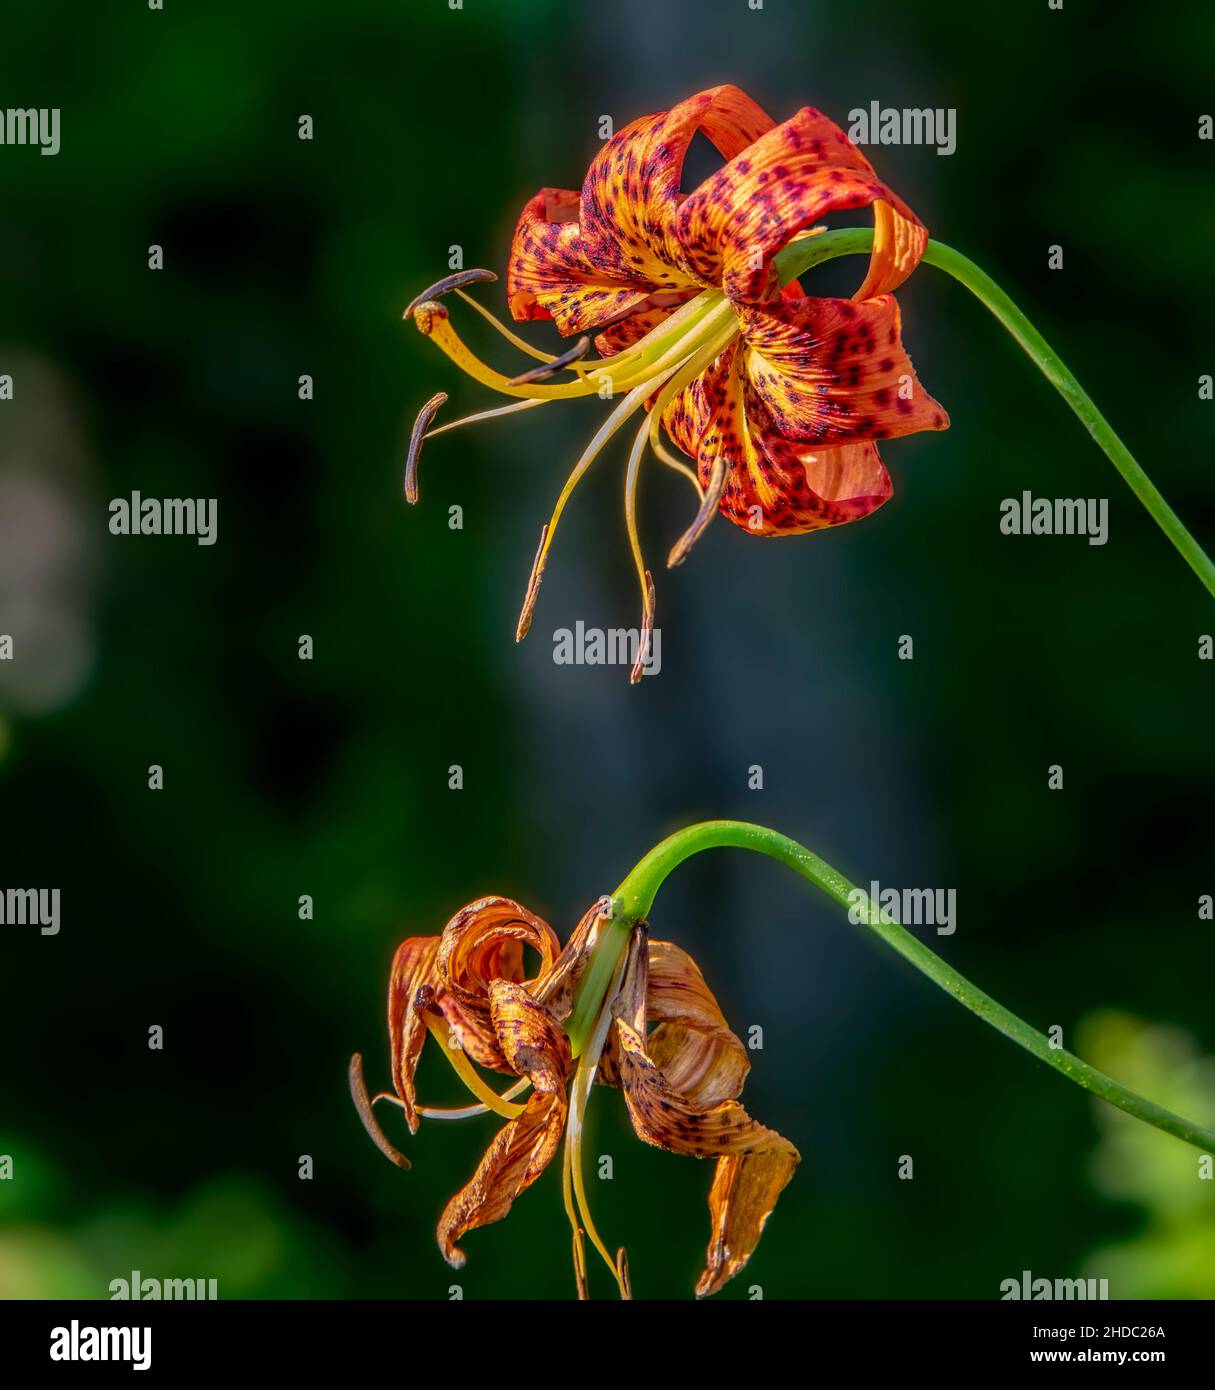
585 1016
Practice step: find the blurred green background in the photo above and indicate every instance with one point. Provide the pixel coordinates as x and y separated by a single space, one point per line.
330 777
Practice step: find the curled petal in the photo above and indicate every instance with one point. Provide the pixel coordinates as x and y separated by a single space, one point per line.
735 222
782 485
669 1120
754 1162
518 1155
532 1041
587 259
535 1046
413 967
899 240
631 195
483 942
745 1189
556 989
556 272
693 1045
473 1033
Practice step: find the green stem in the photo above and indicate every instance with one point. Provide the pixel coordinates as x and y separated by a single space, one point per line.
800 256
635 897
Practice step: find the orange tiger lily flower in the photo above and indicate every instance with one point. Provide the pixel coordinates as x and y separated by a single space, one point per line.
777 398
680 1082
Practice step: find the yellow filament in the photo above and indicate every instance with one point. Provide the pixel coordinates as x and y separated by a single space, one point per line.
676 383
601 436
580 1091
573 1141
630 512
465 1070
464 1112
623 369
440 332
567 1198
483 415
676 368
666 456
521 343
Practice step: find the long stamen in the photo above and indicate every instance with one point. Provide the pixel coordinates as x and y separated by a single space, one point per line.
547 369
452 1112
708 504
579 1244
643 574
584 1077
622 1272
434 322
465 1071
674 322
513 338
672 371
668 339
674 368
605 431
462 1112
484 415
446 285
573 1139
416 437
362 1103
662 452
708 510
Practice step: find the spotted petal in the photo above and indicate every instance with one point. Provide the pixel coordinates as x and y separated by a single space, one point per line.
484 942
587 259
832 372
735 222
796 408
412 969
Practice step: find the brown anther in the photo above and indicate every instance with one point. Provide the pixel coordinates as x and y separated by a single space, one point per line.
580 1279
547 369
535 579
447 284
647 631
420 426
622 1273
362 1103
708 509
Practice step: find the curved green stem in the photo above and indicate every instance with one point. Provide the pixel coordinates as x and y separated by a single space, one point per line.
800 256
635 897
